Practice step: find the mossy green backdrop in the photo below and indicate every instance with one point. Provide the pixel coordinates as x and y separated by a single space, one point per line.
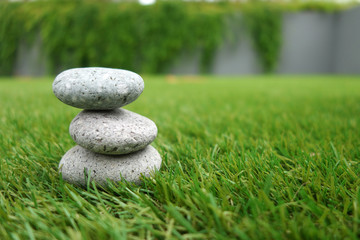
145 39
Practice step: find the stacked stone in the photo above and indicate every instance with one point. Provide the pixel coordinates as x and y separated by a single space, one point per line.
113 143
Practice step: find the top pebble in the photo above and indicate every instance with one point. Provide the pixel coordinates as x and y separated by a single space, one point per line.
97 88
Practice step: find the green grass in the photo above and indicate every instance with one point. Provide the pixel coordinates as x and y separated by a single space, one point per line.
248 158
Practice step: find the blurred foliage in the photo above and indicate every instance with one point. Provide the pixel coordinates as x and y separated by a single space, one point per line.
10 32
132 36
318 6
264 22
93 33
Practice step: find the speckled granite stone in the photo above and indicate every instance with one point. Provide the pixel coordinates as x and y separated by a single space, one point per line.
79 163
117 131
97 88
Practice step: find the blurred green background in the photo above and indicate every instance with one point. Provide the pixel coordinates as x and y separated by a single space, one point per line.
58 35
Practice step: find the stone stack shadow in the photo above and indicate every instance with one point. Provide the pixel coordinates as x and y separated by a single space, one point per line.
113 143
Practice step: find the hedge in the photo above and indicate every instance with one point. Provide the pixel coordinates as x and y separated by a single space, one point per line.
136 37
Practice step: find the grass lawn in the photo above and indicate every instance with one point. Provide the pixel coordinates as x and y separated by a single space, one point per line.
264 157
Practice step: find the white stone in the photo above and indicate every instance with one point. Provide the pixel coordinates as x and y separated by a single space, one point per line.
114 132
97 88
79 163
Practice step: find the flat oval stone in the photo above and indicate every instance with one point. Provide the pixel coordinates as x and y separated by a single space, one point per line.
97 88
79 163
113 132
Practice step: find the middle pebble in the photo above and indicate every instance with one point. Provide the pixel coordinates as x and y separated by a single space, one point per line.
118 131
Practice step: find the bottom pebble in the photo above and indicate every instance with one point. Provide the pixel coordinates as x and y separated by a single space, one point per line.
79 163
